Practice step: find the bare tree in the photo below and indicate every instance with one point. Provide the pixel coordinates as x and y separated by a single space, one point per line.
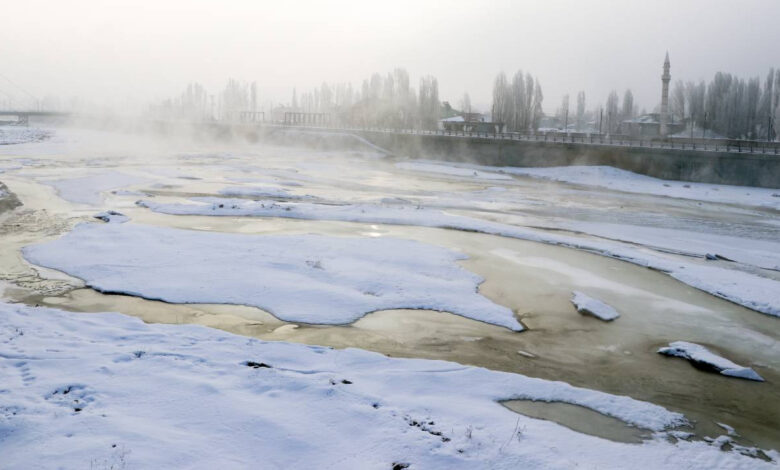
429 102
776 98
580 110
502 97
465 104
766 106
563 112
611 112
518 120
253 96
537 114
678 100
628 106
696 96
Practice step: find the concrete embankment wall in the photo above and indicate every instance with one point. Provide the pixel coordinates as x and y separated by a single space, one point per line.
685 165
742 169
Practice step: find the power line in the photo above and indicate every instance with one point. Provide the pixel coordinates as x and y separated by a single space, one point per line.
19 87
11 98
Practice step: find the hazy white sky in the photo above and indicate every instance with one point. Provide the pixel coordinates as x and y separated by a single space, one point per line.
140 50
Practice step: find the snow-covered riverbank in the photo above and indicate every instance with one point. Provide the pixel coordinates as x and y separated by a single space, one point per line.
105 389
610 178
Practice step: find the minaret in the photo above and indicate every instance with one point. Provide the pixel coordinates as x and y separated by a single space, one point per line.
665 78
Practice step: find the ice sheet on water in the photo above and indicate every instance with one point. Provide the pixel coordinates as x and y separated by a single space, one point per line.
747 289
88 189
302 278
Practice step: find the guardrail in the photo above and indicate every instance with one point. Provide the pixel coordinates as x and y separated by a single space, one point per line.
738 147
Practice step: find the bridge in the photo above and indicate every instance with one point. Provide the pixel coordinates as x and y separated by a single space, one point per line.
23 117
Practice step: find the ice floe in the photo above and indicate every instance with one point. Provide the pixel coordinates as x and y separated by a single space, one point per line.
302 278
270 191
758 293
88 189
112 217
702 357
589 306
452 170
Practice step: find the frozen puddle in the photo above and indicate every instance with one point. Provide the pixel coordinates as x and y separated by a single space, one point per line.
580 419
299 278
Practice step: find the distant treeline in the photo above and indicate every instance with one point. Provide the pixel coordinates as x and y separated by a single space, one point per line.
731 106
728 105
382 100
518 103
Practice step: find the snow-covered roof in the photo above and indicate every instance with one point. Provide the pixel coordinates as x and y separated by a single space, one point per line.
651 118
698 132
645 119
473 117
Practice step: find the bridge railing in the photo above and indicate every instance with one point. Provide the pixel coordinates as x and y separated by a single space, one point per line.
700 145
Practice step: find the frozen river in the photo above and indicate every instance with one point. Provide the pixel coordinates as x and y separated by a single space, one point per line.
533 240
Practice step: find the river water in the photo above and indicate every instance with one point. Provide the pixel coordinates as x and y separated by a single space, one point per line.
535 280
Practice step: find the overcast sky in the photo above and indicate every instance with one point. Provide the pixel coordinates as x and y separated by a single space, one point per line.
142 50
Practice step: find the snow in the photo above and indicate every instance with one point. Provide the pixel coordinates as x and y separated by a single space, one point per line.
262 192
6 166
729 430
347 137
451 170
621 180
304 278
589 306
83 390
112 217
626 181
698 133
749 290
761 253
11 135
701 356
88 189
